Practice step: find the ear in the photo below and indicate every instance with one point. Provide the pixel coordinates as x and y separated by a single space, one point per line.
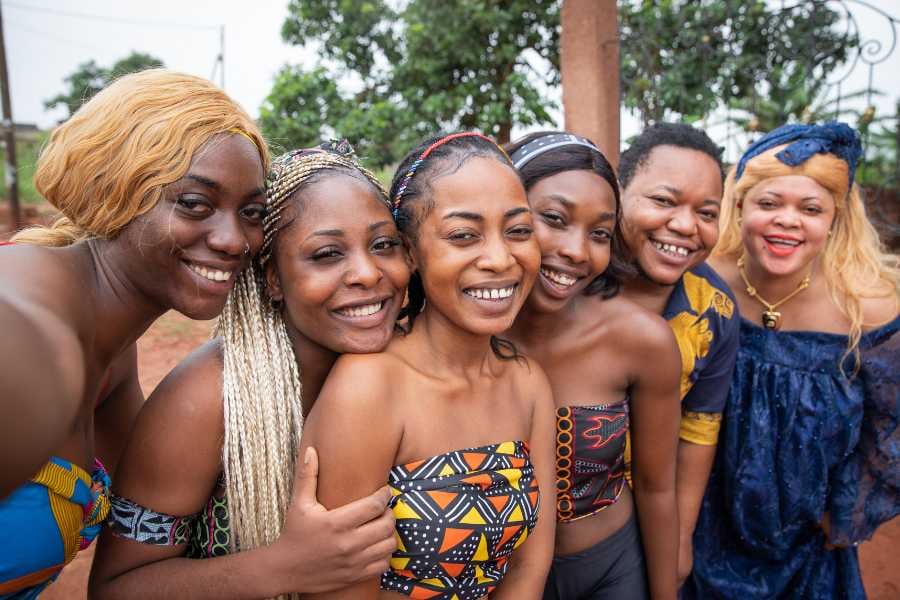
273 283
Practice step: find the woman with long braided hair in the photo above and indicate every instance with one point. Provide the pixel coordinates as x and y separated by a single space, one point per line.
210 467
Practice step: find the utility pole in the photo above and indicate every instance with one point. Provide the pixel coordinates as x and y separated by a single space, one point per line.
590 72
9 135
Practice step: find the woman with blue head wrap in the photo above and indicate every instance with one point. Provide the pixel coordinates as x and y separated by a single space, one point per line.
806 466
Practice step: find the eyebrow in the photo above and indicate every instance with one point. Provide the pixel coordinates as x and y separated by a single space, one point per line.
214 185
607 216
204 181
561 199
515 212
260 191
462 214
781 197
378 224
327 233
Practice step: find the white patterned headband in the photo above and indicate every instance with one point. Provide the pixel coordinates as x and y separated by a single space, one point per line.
548 142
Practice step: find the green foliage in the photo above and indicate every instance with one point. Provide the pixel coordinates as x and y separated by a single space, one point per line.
881 136
684 58
419 65
27 150
90 78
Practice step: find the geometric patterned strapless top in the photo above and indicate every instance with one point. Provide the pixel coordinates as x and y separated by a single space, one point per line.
460 516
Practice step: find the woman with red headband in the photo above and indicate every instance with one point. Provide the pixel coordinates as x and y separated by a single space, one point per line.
451 416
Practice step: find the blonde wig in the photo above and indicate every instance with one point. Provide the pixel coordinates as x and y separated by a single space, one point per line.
111 161
261 379
854 262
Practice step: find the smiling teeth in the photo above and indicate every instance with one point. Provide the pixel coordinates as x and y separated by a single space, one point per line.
211 274
557 277
491 294
361 311
672 249
782 242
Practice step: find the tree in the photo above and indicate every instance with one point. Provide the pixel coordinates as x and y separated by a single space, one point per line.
415 66
684 58
90 78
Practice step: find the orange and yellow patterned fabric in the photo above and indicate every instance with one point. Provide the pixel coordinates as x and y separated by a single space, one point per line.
460 516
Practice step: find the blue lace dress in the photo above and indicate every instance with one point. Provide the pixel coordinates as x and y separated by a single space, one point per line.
799 440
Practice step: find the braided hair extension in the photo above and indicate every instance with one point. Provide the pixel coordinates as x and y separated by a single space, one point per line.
410 195
261 379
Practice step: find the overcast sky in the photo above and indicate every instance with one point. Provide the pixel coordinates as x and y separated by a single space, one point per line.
44 45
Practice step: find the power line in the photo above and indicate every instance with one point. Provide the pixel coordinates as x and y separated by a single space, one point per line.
122 20
59 39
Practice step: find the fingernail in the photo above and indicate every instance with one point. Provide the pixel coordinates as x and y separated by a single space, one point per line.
307 455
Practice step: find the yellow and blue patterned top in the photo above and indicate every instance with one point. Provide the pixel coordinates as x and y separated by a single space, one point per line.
703 315
46 522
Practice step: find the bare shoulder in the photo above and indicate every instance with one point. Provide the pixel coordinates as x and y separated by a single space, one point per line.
46 284
879 311
361 383
173 455
634 328
194 386
530 382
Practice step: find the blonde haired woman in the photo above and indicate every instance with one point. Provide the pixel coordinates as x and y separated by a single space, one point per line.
209 468
160 181
806 467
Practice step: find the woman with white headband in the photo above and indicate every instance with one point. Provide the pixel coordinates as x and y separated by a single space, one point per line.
594 345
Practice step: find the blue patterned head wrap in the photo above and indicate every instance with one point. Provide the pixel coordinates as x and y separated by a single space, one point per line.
806 140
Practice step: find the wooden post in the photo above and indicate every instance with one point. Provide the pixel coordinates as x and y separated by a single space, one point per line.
9 136
589 55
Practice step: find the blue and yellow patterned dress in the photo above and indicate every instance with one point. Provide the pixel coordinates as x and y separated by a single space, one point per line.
801 440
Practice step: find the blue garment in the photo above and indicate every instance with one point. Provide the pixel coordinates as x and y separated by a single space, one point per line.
46 521
701 311
800 440
805 141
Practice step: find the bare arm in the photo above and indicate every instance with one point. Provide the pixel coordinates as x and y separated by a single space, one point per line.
530 563
694 465
171 464
357 437
655 412
42 381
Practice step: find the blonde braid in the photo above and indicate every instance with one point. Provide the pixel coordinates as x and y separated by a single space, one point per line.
261 379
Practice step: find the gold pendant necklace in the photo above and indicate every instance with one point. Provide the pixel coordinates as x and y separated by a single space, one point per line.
770 317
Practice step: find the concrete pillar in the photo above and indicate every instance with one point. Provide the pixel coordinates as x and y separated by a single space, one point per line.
590 72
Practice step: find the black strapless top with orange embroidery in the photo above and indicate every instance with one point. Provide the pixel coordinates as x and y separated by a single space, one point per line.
590 458
460 516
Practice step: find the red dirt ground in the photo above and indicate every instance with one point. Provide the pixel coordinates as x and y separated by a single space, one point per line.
173 336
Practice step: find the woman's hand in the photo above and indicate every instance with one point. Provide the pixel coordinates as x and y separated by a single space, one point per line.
320 550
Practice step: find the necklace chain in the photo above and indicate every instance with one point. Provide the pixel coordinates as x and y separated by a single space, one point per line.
770 317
